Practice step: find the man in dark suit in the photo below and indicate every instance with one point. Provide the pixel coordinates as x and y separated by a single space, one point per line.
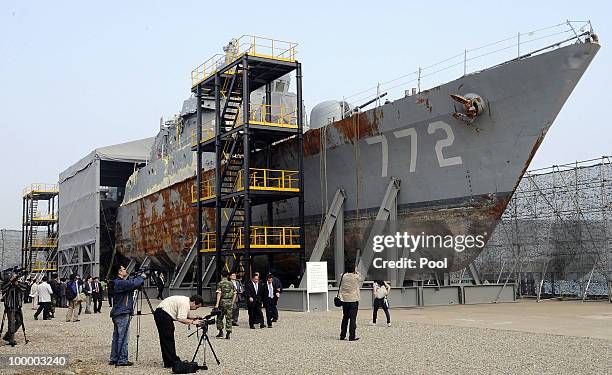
254 292
278 289
96 295
270 297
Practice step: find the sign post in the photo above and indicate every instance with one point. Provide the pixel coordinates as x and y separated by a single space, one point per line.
316 282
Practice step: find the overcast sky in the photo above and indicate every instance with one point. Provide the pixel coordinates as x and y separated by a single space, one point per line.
79 75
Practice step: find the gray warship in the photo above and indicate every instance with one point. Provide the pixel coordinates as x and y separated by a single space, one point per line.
459 150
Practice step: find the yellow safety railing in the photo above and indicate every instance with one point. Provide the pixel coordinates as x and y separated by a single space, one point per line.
262 237
266 47
44 266
209 242
41 188
270 179
208 190
48 217
45 242
246 44
206 135
272 115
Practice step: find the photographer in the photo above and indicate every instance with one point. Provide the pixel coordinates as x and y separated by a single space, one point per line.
120 313
13 295
171 309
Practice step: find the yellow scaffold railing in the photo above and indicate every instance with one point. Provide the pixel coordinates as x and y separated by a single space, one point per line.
45 243
208 190
44 266
272 115
270 179
41 189
262 237
247 44
207 134
48 217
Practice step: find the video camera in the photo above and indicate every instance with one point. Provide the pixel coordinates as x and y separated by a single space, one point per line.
142 272
209 319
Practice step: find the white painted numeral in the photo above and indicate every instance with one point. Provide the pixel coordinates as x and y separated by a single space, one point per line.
442 143
385 151
410 132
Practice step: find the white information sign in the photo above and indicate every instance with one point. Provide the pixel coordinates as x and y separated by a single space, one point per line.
316 281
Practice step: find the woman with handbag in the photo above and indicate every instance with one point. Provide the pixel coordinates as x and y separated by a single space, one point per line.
381 290
348 293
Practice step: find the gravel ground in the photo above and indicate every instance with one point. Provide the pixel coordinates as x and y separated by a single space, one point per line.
308 344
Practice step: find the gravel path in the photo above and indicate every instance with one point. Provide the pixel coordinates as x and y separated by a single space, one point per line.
308 344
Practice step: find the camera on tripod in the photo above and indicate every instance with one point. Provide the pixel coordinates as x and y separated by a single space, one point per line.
209 319
144 272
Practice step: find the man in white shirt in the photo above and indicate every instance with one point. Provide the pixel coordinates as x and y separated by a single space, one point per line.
174 308
44 299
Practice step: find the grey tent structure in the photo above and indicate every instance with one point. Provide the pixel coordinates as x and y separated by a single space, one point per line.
89 193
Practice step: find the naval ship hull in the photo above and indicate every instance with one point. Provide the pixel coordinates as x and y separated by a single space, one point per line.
456 175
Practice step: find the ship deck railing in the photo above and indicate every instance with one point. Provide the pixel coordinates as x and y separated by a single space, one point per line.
246 44
262 237
37 189
263 179
44 266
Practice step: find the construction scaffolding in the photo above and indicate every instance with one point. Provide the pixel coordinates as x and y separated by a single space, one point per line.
241 135
554 239
39 228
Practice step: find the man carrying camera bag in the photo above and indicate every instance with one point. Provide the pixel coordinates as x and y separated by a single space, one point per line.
120 313
171 309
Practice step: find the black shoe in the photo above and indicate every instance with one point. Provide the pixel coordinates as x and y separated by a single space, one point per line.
235 324
46 318
112 363
227 335
354 339
342 338
252 326
220 334
262 325
274 320
269 325
35 317
128 363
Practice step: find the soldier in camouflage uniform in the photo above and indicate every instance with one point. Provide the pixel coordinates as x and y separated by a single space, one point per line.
226 297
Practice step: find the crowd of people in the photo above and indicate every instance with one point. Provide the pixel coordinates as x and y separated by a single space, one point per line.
77 294
74 294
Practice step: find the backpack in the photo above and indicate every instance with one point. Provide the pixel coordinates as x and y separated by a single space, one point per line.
381 292
70 294
186 367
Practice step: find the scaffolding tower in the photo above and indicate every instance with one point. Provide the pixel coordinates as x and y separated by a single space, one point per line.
555 239
241 135
39 228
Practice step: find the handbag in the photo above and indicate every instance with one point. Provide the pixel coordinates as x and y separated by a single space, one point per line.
337 300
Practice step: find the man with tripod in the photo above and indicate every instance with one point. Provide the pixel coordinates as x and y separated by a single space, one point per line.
120 313
13 295
171 309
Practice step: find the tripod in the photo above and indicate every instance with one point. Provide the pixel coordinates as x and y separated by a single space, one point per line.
202 338
138 297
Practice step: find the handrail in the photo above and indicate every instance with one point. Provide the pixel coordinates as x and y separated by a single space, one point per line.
276 115
44 266
41 188
246 44
207 192
45 242
269 179
207 134
262 237
475 59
